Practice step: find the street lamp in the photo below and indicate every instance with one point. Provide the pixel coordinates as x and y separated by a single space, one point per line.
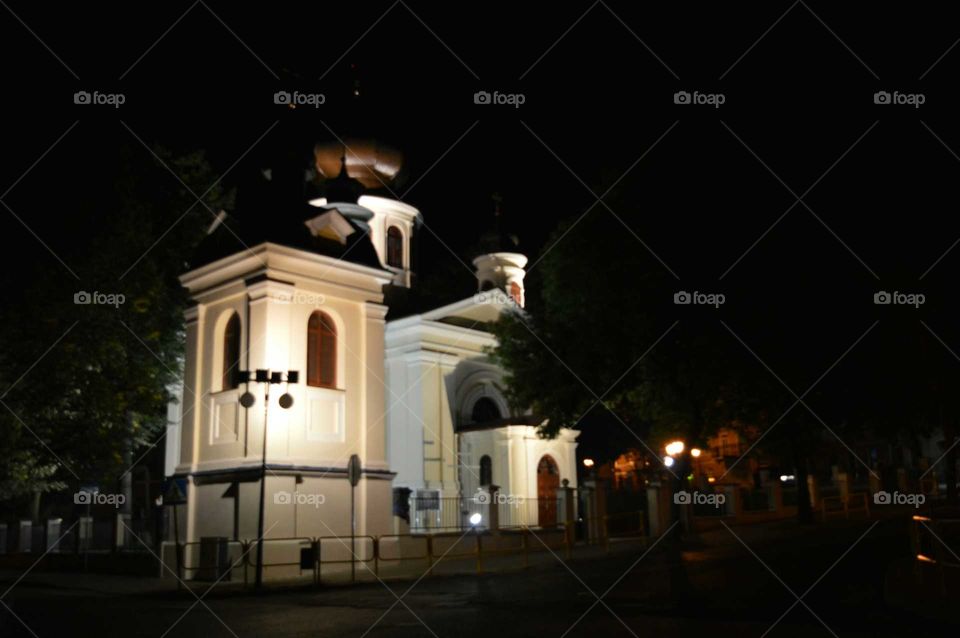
676 457
587 463
247 400
675 448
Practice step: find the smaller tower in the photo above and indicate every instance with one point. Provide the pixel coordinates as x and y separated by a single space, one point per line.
499 264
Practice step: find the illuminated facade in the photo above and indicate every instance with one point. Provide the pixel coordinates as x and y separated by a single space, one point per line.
417 399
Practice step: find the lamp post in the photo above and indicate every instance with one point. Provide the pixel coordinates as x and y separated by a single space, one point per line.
267 378
695 453
678 461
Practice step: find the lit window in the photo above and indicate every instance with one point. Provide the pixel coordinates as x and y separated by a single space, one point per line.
486 470
231 353
321 351
516 293
394 247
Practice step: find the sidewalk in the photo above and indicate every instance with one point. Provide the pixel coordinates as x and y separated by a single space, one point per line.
100 584
456 562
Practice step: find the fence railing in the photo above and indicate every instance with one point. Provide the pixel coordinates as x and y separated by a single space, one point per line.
343 558
529 512
80 535
455 513
447 513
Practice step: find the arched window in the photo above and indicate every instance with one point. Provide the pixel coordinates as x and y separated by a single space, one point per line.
486 470
321 351
516 293
485 410
394 247
231 353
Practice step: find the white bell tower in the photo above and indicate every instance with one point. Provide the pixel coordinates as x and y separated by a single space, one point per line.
503 270
500 266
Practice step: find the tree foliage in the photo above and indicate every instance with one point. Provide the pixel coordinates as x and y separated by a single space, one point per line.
85 385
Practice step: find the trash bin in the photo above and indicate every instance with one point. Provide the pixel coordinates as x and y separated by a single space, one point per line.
214 559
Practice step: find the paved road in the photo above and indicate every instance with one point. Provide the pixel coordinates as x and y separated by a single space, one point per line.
718 587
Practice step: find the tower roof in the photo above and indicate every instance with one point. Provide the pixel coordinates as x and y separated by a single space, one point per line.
497 239
343 188
238 232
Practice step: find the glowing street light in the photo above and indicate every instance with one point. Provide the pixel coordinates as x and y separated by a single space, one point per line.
674 448
475 518
695 452
668 461
587 462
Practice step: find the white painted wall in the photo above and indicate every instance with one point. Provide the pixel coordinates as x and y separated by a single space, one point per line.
274 290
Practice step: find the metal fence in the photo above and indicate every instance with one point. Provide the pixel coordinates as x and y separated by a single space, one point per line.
60 536
328 559
431 515
529 512
435 514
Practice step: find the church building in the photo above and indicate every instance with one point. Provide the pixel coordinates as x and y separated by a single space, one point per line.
292 368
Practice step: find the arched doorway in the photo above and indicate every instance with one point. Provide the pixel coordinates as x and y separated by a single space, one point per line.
548 481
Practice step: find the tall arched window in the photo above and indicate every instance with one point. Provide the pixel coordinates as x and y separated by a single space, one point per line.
231 353
321 351
394 247
486 470
516 293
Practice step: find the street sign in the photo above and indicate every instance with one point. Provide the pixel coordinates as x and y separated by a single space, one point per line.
175 491
353 470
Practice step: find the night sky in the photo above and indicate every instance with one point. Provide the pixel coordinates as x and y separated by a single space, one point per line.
698 185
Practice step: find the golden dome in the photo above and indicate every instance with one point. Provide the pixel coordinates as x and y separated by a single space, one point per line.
371 163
